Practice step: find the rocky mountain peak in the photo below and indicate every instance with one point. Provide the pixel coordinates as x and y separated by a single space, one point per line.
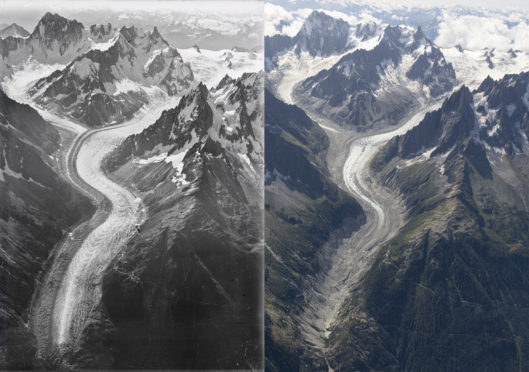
96 82
225 81
155 33
101 32
419 34
52 26
130 33
14 30
502 110
194 110
461 98
316 19
50 17
199 94
392 34
486 84
364 31
322 35
439 130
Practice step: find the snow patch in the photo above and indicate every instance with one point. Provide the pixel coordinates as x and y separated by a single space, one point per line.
153 55
104 45
126 85
525 97
210 66
85 67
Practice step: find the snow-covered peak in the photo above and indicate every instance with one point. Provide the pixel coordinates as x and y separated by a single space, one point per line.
210 66
116 78
101 33
502 113
14 30
319 21
322 35
155 34
130 34
419 34
397 36
193 104
364 31
55 27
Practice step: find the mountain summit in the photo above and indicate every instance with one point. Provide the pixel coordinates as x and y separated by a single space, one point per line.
55 39
366 86
14 30
322 35
94 86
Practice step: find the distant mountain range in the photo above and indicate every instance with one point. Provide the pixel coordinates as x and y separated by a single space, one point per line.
448 291
109 86
367 86
13 30
198 169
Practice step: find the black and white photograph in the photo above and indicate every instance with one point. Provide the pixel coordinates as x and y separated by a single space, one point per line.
131 185
264 185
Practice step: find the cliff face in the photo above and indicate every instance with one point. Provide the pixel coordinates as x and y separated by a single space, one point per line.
186 292
36 208
366 87
55 39
109 86
449 292
304 209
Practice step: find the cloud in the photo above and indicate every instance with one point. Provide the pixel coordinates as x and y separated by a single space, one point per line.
228 22
475 32
278 20
293 28
387 5
275 16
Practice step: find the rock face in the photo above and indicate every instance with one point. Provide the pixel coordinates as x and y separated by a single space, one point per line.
186 291
275 45
55 39
445 293
101 33
304 208
369 86
322 35
13 30
109 86
495 116
443 129
36 207
502 109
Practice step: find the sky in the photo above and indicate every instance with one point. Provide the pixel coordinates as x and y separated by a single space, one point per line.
395 4
209 24
503 25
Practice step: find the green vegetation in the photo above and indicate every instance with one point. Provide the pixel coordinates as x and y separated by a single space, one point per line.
303 208
449 291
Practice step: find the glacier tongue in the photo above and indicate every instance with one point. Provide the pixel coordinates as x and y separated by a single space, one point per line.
80 291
